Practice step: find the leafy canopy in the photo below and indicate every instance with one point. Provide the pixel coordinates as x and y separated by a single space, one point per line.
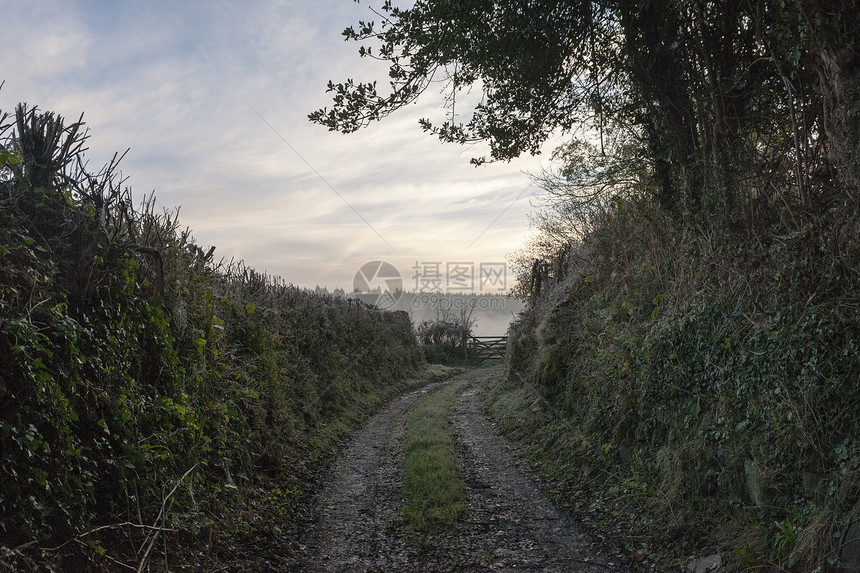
711 95
538 65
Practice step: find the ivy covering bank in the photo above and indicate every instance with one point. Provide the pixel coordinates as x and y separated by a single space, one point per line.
152 399
701 392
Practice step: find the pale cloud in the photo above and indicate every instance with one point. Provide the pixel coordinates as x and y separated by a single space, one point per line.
182 86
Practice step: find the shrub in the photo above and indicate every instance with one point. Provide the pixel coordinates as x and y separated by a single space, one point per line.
713 377
146 390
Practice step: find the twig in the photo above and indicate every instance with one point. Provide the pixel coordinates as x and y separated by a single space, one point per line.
23 546
112 559
100 528
157 530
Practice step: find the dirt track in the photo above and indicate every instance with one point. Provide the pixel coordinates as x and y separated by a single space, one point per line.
510 524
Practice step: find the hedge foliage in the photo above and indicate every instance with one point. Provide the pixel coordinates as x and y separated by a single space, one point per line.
146 391
707 383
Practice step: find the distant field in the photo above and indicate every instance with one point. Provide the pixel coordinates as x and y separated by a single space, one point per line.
493 313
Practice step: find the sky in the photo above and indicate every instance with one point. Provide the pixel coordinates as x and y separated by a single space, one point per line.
211 98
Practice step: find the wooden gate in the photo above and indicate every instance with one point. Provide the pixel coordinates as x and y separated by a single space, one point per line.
482 348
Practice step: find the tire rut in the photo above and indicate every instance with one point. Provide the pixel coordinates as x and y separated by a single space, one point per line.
513 524
356 512
509 525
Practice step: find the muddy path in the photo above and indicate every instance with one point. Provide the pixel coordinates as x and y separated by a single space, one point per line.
510 524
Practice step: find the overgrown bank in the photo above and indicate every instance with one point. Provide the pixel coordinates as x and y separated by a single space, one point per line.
158 409
702 385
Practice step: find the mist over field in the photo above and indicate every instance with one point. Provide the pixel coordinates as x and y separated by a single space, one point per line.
491 314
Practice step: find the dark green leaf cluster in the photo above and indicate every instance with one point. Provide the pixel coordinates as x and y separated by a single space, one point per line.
148 392
715 380
699 89
443 341
521 55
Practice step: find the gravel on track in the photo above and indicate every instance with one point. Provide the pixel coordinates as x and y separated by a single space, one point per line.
510 524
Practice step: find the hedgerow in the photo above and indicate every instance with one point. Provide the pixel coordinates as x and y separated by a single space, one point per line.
703 385
153 401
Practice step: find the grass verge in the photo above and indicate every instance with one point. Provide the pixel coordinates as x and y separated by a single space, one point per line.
434 484
613 505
